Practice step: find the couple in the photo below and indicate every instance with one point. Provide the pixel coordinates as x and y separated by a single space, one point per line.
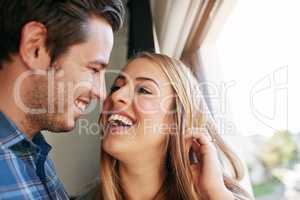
154 119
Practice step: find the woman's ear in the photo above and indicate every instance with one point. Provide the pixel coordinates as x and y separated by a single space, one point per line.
33 51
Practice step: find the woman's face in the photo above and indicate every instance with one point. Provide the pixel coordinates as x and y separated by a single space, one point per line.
137 113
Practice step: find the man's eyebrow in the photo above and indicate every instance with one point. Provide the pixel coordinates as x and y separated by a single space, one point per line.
147 79
99 62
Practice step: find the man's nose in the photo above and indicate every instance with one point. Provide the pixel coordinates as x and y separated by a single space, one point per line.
99 86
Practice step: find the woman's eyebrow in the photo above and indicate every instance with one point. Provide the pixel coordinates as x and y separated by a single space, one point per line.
122 77
141 78
147 79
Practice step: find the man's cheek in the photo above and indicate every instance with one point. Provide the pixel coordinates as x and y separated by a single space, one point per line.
82 85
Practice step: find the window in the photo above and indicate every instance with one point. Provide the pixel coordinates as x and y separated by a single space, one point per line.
251 64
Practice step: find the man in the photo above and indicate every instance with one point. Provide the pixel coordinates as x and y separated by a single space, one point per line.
52 59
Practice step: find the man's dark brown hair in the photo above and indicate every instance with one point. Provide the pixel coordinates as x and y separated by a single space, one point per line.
65 21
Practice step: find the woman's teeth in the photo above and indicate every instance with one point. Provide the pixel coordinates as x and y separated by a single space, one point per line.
115 118
81 105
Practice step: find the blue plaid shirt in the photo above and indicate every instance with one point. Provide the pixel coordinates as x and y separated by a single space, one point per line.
26 172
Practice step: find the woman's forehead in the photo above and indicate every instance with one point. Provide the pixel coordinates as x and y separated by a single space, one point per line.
142 67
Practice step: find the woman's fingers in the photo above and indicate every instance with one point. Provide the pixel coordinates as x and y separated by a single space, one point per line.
203 144
206 152
198 133
208 164
195 132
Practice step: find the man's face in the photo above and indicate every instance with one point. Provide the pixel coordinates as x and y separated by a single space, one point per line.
75 79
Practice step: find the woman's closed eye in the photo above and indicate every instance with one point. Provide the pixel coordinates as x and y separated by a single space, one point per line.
114 88
119 82
143 90
139 89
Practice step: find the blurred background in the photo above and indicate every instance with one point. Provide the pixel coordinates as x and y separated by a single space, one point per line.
245 55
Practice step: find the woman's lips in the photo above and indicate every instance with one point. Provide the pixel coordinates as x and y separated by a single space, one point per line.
114 128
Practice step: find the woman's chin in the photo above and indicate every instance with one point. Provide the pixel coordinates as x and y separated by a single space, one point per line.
119 131
116 147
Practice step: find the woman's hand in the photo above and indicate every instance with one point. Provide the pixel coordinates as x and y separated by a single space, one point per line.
208 174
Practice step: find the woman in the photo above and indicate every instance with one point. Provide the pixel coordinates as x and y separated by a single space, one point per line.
154 119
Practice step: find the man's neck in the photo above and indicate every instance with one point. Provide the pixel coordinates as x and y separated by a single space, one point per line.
142 180
8 104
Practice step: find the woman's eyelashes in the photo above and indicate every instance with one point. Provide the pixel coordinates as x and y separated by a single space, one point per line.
143 90
139 89
114 88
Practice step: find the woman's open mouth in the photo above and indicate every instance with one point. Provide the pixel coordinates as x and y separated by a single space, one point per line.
119 123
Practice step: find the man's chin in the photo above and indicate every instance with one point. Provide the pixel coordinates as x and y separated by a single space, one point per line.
67 129
70 125
62 126
61 129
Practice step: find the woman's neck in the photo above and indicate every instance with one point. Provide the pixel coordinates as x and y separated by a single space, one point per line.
142 180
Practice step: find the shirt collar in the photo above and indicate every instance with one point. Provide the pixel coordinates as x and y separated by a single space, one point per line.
10 136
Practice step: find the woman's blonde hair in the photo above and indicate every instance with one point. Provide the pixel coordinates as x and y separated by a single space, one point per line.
191 114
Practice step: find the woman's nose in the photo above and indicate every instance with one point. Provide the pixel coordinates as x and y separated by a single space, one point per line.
122 96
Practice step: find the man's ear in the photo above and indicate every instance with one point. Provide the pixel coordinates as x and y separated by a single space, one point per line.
32 50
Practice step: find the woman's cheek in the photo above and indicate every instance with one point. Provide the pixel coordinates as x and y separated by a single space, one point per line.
148 106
